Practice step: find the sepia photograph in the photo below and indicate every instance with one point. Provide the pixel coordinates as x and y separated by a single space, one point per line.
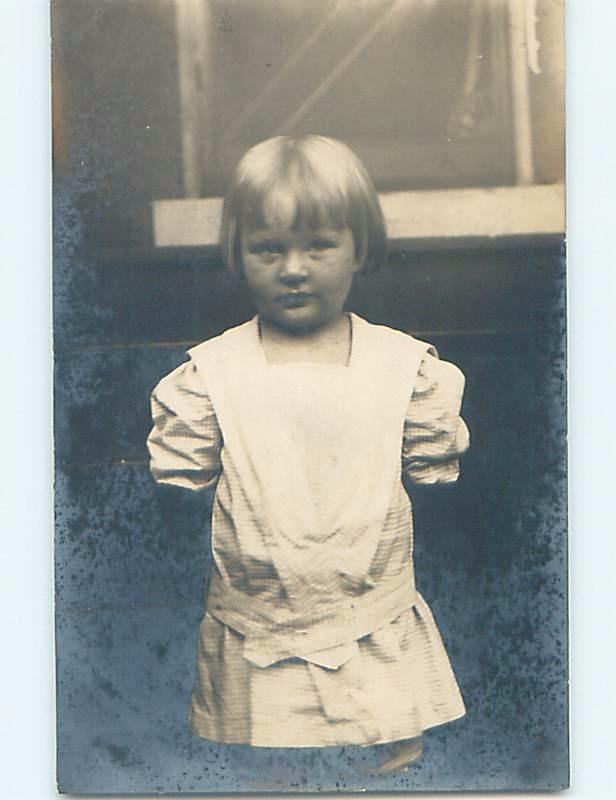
310 382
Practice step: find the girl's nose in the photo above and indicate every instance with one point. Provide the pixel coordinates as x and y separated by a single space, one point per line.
294 266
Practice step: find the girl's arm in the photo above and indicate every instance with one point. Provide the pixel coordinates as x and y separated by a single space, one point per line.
435 435
185 441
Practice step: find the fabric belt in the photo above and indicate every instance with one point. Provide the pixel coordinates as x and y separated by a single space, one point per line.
273 634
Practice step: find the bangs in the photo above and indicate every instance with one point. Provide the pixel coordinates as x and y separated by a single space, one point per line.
299 199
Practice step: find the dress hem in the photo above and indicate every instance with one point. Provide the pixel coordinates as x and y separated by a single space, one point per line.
204 727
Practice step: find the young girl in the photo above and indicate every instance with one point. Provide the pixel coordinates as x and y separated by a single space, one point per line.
308 418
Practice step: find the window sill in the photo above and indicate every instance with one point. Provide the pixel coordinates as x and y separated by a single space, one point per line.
455 214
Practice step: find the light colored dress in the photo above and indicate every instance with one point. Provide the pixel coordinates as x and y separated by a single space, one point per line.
314 633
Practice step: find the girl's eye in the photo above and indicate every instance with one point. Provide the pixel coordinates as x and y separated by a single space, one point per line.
267 249
321 244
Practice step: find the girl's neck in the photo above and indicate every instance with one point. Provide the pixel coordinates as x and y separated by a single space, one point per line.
330 344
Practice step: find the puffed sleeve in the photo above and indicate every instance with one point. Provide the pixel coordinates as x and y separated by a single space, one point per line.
185 441
435 436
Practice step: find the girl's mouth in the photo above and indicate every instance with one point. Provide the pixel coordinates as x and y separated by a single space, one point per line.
294 299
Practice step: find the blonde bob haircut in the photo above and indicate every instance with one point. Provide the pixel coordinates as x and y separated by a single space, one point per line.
309 182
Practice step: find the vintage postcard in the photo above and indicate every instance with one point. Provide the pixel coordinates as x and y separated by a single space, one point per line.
310 384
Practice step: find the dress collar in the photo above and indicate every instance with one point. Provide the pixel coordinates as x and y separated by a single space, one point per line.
357 325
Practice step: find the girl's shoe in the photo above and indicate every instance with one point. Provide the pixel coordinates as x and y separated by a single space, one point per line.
406 753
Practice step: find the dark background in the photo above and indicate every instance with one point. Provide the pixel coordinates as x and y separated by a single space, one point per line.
131 557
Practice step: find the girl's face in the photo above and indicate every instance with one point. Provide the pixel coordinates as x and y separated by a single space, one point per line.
299 280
